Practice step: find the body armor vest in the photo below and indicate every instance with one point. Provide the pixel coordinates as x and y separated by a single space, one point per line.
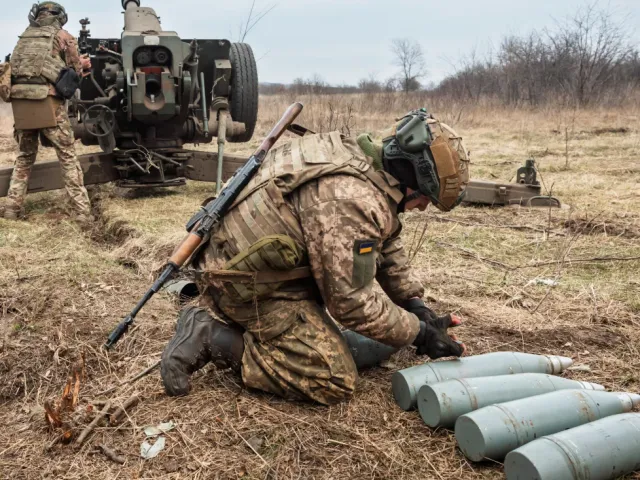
261 232
32 60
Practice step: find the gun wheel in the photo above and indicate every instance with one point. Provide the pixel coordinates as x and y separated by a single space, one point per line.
243 98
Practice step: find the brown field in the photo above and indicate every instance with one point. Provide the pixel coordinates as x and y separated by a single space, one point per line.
61 291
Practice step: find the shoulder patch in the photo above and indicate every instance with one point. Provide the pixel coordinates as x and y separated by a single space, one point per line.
364 263
364 247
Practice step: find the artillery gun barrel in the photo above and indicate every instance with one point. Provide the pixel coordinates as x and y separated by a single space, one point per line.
139 19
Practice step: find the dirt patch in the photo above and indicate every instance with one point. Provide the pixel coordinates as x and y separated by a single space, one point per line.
609 227
556 339
605 131
105 230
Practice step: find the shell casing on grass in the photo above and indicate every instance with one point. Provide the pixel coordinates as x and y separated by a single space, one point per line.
601 450
492 432
441 404
406 383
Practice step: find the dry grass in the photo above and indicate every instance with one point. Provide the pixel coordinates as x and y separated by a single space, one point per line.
61 291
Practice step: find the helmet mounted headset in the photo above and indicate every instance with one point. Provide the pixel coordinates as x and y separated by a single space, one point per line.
55 9
412 143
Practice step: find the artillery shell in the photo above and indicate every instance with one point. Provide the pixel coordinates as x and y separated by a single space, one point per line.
406 383
494 431
441 404
602 450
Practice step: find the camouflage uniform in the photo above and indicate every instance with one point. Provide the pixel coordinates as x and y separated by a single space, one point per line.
61 136
321 192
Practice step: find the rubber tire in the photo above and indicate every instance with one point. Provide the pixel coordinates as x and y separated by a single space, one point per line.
243 99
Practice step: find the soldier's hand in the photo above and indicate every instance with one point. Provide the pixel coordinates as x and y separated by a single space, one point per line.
434 339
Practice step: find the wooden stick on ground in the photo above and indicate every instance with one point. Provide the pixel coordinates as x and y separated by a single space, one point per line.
111 454
87 431
62 438
121 411
140 375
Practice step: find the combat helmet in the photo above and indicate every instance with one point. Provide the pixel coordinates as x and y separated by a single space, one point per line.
428 157
53 8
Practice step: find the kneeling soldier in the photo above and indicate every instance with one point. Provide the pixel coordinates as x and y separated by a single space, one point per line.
313 229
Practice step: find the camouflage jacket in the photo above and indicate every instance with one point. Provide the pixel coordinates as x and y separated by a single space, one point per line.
322 193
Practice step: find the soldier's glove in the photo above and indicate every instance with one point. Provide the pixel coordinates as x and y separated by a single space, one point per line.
433 339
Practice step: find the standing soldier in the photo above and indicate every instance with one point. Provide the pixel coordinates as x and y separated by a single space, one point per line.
315 228
42 52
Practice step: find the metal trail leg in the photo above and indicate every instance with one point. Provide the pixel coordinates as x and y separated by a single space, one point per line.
222 139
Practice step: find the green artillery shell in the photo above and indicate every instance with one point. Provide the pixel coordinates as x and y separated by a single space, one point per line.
602 450
494 431
407 383
442 403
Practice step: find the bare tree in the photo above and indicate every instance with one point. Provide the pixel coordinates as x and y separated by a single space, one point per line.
589 58
408 55
370 84
253 18
390 85
593 46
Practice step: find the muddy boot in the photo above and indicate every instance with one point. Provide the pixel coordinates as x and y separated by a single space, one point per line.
84 221
199 339
367 353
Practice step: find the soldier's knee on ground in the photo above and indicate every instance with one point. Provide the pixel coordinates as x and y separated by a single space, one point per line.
345 388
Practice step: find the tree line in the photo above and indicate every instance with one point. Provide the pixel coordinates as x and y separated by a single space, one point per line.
586 59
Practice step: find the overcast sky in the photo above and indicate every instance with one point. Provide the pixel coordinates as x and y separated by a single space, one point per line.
342 40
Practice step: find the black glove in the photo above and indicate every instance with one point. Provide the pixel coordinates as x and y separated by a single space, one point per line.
420 309
433 339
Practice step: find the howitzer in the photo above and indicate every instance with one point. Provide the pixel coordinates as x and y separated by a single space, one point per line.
206 219
148 94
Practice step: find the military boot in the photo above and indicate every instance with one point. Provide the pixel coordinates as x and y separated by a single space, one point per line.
84 221
11 212
367 353
199 339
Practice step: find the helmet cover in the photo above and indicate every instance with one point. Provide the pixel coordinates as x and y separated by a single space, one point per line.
423 148
53 8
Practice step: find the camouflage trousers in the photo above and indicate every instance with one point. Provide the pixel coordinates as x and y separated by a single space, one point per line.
310 360
61 137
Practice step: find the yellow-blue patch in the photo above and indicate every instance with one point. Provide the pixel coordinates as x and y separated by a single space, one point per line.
366 247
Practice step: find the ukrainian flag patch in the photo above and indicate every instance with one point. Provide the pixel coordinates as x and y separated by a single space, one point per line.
364 263
365 246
